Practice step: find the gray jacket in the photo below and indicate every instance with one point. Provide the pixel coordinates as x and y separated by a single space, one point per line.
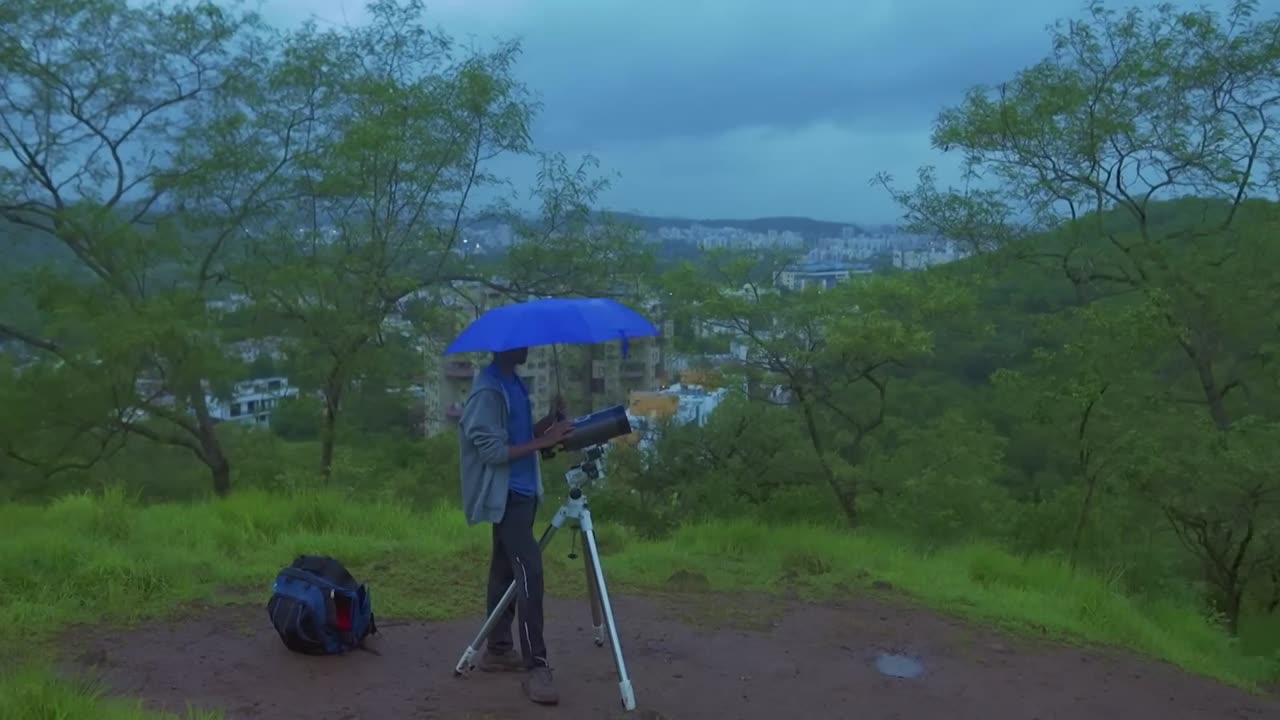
483 450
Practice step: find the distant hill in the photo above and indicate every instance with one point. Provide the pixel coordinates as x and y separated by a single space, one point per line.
808 228
21 247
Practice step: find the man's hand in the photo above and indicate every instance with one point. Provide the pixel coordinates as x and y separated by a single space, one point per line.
555 434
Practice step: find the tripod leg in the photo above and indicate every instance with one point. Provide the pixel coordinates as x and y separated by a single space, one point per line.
624 680
597 626
467 662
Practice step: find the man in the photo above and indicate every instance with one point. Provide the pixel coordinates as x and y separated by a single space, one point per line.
502 484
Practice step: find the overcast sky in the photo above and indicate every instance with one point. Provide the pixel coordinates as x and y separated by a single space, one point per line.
746 108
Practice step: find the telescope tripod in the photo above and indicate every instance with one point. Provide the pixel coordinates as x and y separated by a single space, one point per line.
573 509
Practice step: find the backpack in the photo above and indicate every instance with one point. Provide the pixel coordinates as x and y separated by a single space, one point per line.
318 608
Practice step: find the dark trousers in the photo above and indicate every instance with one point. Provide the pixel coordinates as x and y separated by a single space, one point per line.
516 556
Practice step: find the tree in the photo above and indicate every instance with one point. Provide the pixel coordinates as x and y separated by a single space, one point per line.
830 354
114 121
297 418
396 130
1220 497
1089 388
935 477
567 248
1136 160
55 423
1131 110
400 132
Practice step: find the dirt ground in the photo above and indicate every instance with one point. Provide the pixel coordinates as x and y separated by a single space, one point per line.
769 659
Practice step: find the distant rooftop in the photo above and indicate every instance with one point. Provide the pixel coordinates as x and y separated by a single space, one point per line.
826 267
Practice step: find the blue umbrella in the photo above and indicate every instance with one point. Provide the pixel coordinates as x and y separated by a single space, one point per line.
552 321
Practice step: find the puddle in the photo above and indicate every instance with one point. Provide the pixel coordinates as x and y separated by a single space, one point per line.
899 666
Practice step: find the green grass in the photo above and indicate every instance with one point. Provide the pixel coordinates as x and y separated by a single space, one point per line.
90 558
34 693
1260 633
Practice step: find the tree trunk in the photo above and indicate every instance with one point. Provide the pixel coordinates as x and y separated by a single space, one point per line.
1222 557
210 447
1086 506
1089 474
329 433
219 469
1230 581
1202 359
1274 603
848 499
1214 396
1229 600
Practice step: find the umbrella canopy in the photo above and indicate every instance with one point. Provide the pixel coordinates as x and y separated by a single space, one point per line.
551 321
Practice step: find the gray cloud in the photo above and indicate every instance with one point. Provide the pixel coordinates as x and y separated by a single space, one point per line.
865 65
746 107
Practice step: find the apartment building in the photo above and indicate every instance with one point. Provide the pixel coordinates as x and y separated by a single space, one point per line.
682 404
251 401
821 275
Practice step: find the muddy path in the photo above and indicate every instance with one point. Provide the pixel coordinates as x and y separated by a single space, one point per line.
688 657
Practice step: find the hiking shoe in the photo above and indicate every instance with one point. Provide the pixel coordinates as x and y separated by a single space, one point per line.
539 687
500 662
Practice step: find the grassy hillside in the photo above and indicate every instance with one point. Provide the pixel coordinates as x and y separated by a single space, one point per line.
102 558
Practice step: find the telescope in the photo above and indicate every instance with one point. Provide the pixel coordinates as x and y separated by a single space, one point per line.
589 470
597 428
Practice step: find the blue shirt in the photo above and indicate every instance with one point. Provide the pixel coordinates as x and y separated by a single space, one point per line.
523 471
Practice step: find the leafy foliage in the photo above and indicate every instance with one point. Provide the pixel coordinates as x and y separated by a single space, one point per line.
830 354
107 113
184 153
1135 162
1098 383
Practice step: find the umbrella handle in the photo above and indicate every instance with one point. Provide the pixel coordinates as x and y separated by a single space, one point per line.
555 359
548 453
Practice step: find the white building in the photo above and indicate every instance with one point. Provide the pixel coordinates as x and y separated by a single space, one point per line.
251 401
683 404
821 275
934 254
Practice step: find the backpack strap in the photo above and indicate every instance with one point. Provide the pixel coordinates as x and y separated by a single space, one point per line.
330 609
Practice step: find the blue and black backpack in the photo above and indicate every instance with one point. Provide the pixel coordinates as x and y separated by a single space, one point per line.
318 608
